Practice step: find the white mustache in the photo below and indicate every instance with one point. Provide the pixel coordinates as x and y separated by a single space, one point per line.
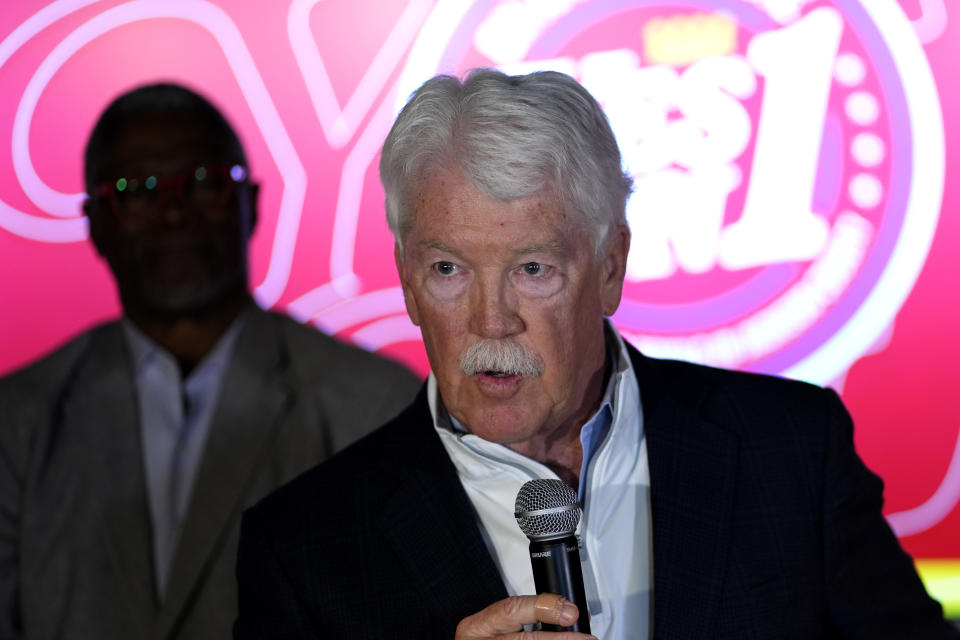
502 356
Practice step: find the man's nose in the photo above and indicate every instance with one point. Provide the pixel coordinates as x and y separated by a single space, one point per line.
172 205
494 312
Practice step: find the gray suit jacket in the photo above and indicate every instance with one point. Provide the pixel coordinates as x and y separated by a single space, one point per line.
75 535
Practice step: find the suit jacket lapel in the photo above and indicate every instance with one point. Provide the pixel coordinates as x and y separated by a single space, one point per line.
693 465
429 491
104 405
239 433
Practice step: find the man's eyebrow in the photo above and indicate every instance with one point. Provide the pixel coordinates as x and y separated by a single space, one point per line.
554 247
544 247
431 243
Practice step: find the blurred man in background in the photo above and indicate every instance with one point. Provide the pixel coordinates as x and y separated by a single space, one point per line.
128 455
717 504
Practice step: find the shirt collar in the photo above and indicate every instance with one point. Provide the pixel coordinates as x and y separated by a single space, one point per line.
144 351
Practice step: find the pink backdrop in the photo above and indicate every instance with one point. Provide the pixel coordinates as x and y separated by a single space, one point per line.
793 212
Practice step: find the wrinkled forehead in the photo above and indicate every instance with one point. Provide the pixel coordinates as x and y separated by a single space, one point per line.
448 187
449 212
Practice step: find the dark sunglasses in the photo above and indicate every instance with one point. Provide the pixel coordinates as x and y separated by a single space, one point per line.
207 188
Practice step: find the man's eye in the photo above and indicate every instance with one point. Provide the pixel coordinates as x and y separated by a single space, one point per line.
445 268
532 269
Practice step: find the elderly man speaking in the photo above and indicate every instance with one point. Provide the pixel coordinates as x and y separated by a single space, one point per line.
716 504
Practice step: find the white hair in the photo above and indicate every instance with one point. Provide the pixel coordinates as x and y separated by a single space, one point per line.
513 137
501 356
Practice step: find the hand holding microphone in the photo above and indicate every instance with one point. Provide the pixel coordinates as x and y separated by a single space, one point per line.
548 513
504 619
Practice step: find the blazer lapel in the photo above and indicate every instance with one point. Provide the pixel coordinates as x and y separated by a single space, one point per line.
693 466
429 491
105 406
236 444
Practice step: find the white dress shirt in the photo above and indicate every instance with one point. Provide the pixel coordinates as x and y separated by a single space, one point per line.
615 535
175 415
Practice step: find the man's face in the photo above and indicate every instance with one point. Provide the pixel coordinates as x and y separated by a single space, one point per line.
474 268
182 248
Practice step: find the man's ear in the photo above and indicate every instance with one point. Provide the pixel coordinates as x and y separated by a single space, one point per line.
97 225
254 202
408 298
614 269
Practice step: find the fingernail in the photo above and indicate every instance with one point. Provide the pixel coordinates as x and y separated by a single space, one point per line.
568 614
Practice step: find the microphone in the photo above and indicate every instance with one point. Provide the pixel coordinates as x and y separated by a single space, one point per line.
548 512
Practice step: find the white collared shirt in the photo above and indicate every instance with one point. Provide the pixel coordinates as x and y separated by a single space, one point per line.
175 419
615 534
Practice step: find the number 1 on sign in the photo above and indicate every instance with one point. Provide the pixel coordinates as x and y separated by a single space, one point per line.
778 223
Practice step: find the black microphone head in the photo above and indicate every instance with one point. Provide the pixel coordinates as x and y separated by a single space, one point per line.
547 509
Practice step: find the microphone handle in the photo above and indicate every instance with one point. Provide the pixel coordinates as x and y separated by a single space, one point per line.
556 569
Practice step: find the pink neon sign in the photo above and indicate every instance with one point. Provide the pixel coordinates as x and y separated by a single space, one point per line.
791 215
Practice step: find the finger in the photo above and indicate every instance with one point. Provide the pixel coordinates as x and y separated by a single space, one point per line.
509 615
553 609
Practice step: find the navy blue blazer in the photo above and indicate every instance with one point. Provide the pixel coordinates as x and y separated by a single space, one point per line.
766 525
